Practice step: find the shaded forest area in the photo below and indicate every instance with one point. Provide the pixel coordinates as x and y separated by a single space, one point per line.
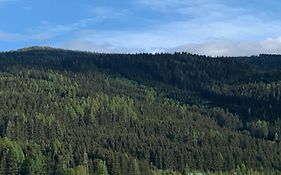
67 112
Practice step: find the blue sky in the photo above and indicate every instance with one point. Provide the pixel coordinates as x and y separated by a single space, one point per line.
211 27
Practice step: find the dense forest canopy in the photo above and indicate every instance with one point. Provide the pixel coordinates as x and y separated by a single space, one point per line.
68 112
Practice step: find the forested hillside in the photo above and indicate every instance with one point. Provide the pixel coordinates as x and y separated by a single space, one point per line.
68 113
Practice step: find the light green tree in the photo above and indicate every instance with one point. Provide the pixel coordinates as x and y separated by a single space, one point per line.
101 168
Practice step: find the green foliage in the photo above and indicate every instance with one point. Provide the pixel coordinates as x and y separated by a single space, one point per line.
117 106
259 128
81 170
136 168
150 95
78 170
166 172
61 111
11 156
101 168
34 164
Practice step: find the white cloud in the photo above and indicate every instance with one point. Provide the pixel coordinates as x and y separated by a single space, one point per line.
198 8
107 12
102 47
87 45
41 36
49 27
233 48
22 37
161 5
46 30
4 36
213 48
49 30
205 27
4 2
171 35
18 37
211 28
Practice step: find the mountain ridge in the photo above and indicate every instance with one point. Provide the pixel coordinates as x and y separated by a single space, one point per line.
38 47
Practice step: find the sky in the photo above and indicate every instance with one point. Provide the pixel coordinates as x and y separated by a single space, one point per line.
207 27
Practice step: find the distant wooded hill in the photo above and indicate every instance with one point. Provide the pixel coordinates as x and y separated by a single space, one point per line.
70 112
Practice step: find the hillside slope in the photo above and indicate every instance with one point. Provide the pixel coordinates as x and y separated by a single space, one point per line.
67 112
